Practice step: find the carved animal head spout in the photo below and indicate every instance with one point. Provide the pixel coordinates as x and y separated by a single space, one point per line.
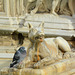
36 34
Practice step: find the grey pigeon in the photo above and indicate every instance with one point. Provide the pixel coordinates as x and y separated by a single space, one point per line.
19 56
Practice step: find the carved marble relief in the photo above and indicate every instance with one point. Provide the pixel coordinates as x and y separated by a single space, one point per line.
56 7
1 5
72 6
16 7
60 7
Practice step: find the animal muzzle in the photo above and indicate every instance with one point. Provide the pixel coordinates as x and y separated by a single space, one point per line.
39 37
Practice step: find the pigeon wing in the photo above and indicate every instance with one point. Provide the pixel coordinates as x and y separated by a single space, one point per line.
16 56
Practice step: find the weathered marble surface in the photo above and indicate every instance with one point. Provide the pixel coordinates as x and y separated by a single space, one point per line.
4 62
13 11
54 25
20 7
66 66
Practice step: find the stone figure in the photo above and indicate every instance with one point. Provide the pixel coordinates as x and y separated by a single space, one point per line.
45 51
19 56
53 6
38 4
1 6
72 6
65 7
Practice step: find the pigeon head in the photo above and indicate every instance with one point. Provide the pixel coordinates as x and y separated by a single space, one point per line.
22 50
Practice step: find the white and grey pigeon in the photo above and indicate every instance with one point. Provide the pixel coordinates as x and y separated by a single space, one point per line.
19 56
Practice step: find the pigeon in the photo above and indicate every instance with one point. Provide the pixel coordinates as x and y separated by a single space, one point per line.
19 56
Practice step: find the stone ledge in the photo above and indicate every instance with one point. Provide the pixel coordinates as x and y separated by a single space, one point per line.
53 26
70 72
54 69
7 29
6 55
4 62
7 49
67 34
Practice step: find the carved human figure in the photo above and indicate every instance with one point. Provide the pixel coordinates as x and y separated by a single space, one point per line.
71 4
64 6
38 3
54 5
28 3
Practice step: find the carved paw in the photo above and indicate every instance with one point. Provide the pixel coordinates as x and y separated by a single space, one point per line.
37 65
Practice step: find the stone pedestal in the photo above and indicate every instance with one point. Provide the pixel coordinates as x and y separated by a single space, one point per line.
65 66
